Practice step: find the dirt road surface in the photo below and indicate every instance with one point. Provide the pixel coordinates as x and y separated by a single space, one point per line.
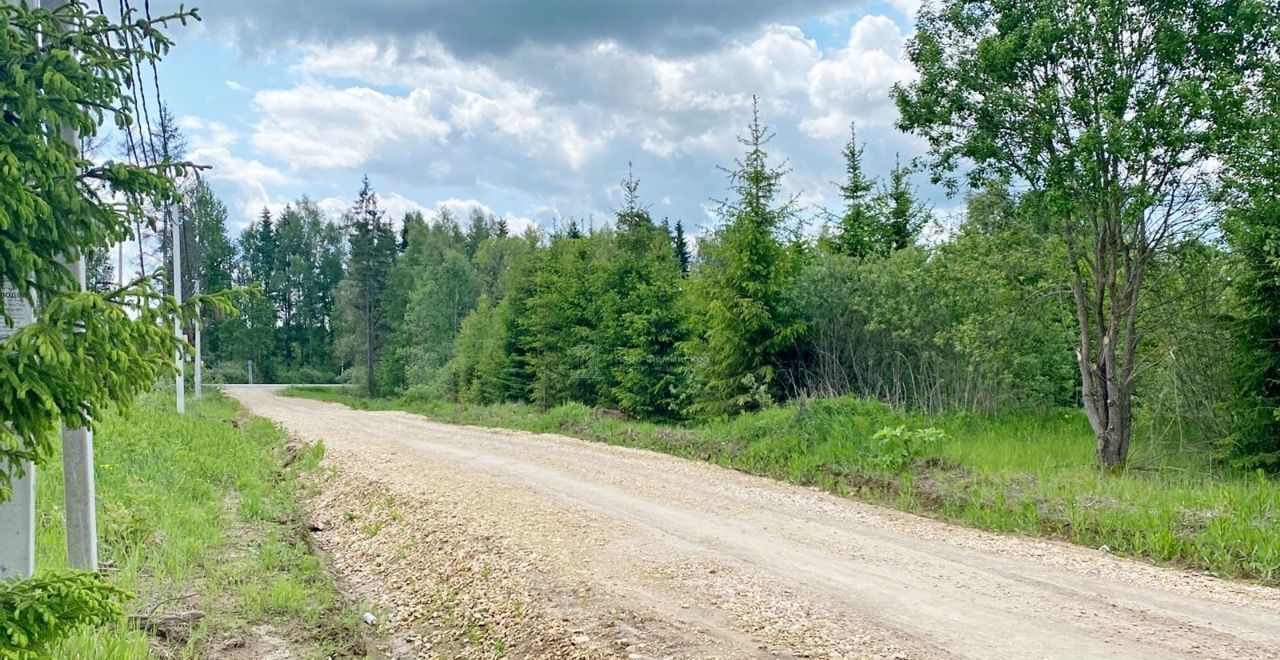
477 542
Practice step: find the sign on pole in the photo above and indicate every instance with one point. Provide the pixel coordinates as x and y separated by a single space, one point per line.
18 513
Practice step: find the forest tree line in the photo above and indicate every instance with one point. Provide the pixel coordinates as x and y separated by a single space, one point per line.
1100 261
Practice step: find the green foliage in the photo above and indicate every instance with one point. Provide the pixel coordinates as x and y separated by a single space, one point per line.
592 316
489 362
88 349
432 287
562 318
858 232
1253 226
682 247
977 323
1109 113
362 317
642 318
903 215
875 223
38 613
745 332
898 448
296 261
63 73
86 352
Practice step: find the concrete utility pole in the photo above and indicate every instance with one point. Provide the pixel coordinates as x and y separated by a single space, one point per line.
17 516
181 379
199 364
18 513
78 479
77 444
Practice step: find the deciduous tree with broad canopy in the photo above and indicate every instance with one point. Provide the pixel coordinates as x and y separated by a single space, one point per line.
1110 114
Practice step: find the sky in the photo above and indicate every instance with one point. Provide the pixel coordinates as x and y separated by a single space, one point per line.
533 109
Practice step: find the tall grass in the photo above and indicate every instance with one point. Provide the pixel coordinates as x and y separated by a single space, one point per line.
1025 473
196 512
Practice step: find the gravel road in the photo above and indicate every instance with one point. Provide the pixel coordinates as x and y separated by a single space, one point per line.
477 542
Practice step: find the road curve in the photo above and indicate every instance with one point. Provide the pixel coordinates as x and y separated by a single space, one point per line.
615 552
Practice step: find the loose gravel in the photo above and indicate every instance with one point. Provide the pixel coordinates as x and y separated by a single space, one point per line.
480 543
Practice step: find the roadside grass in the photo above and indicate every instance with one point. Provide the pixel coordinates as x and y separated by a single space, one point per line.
198 513
1023 473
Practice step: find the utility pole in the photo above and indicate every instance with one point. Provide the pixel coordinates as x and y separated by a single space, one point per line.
79 495
181 378
18 513
17 516
199 364
78 479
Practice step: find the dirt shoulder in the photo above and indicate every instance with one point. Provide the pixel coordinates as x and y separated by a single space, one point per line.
481 543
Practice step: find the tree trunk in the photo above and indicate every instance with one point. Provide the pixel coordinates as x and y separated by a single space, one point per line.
368 343
1106 301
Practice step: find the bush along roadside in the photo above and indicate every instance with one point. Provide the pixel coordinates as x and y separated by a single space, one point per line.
1023 473
203 544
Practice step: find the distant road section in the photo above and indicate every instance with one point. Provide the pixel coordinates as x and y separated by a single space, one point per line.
556 547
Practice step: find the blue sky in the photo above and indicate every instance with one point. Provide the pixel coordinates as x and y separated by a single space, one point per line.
531 109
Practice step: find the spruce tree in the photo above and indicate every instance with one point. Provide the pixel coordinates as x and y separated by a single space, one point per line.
746 329
211 261
373 248
478 229
169 145
641 315
1253 227
682 248
858 230
904 215
100 272
254 338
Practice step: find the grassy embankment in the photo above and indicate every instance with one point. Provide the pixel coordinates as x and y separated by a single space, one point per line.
199 513
1026 474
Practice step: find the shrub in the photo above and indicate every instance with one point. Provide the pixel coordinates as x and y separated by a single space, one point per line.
897 448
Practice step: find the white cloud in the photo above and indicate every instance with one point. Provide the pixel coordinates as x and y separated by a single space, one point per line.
908 8
333 207
206 133
397 206
324 127
394 205
550 129
245 183
237 87
853 83
462 209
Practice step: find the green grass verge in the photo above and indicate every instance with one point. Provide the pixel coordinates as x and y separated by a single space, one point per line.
198 513
1029 474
